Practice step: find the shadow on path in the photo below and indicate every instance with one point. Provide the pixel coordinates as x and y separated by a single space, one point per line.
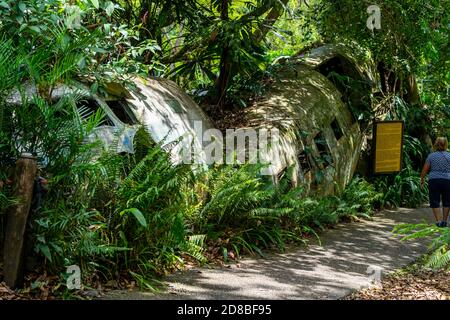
351 255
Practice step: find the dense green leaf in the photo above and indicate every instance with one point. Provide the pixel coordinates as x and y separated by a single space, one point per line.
137 214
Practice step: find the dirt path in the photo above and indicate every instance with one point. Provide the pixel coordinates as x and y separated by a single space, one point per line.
352 255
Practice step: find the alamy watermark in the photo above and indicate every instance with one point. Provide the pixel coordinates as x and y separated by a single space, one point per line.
374 19
73 281
375 274
234 146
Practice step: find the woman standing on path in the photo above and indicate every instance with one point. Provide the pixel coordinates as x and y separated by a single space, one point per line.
437 166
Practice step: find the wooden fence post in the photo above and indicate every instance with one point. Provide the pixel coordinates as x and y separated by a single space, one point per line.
25 173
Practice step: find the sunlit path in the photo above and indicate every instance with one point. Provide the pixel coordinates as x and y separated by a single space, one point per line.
349 258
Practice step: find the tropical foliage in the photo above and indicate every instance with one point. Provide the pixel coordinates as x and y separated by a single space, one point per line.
139 215
439 246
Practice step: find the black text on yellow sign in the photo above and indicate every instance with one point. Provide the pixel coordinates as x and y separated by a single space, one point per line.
388 137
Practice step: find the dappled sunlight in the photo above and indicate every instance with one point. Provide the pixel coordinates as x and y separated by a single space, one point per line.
328 271
142 137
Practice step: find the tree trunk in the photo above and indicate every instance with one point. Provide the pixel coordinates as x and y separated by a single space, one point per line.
26 169
225 63
412 93
269 21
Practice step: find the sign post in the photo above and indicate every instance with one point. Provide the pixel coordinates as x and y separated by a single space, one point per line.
388 141
25 174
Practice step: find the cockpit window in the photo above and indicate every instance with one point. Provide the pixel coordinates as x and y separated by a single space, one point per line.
87 107
281 174
122 111
325 158
354 88
337 130
304 162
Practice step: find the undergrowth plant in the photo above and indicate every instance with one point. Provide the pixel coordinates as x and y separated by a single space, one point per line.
439 247
140 215
243 211
149 212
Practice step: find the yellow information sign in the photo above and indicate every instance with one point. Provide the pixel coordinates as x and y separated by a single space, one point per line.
388 137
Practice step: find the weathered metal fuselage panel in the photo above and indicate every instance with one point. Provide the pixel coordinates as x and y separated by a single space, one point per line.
319 137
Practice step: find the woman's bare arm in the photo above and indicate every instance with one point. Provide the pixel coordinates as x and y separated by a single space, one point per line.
425 170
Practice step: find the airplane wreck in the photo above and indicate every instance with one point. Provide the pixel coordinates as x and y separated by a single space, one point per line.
159 106
317 104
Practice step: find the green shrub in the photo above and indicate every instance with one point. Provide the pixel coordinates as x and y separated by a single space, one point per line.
233 194
243 211
439 246
70 234
149 216
358 199
402 189
69 227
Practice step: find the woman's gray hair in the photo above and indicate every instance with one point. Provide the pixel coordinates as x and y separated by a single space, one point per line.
441 144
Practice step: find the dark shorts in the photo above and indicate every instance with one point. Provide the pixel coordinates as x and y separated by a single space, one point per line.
439 189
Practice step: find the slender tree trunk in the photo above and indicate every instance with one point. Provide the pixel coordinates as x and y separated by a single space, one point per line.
224 76
225 62
412 94
15 237
269 21
176 45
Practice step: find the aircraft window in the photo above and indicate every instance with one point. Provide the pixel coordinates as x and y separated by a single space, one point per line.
281 174
353 87
304 162
336 129
88 107
324 151
122 111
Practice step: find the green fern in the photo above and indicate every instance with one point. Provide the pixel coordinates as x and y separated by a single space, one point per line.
439 246
440 258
